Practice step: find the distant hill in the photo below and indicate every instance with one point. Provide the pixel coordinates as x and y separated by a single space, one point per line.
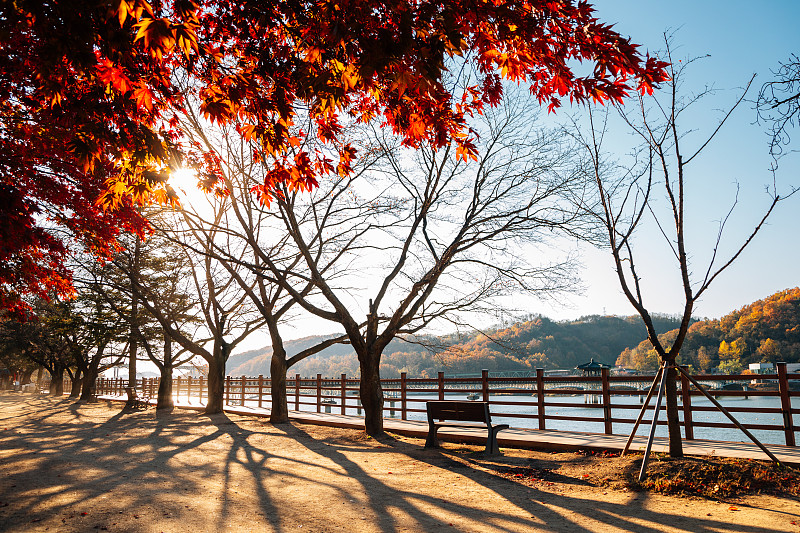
256 362
539 342
767 330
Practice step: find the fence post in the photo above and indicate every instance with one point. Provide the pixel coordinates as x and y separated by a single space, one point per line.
178 389
260 388
403 404
201 389
153 388
441 385
686 396
606 392
244 388
786 404
540 396
344 394
189 389
227 390
485 384
297 392
319 393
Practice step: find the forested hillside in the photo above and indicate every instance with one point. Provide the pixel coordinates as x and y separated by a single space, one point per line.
765 331
539 342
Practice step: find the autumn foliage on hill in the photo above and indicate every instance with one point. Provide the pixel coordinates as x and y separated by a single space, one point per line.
88 95
767 330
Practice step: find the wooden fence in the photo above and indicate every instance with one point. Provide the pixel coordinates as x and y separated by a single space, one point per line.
406 396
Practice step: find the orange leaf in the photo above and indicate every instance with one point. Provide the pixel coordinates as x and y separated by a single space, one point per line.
144 97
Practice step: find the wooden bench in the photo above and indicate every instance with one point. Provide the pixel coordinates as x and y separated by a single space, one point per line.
135 400
463 415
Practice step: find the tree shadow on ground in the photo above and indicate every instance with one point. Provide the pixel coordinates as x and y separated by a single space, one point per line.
59 457
547 511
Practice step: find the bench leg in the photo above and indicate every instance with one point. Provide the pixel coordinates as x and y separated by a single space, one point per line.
491 443
492 447
430 442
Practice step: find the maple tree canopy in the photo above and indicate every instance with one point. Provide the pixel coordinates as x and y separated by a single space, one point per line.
88 95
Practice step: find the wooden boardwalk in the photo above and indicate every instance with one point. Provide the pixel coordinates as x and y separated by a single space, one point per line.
527 438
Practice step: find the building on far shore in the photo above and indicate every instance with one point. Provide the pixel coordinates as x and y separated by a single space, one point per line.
762 368
769 368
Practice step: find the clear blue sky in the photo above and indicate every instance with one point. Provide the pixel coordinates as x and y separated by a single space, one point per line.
741 38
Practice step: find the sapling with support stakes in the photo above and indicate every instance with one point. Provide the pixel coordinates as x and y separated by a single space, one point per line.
626 201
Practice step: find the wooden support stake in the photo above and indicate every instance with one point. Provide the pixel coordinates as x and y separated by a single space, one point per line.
642 411
653 425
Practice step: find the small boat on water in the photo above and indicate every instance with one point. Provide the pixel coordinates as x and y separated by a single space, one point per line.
473 396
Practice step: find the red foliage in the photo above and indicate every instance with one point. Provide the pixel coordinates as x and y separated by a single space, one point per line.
87 94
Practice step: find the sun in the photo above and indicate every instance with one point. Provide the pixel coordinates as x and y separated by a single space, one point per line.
183 178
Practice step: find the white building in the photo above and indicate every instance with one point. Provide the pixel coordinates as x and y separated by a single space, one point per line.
762 368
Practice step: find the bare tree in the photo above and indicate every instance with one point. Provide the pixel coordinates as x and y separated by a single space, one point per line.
778 104
628 200
222 306
429 236
249 235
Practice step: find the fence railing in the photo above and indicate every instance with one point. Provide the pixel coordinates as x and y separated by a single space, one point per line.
405 397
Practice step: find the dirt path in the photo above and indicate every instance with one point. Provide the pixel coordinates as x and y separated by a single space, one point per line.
66 466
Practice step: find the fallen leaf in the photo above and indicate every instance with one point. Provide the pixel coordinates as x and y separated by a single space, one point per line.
732 508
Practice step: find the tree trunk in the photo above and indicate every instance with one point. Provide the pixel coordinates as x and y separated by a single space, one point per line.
277 376
77 382
89 384
90 380
165 400
371 393
673 423
57 383
39 378
133 349
25 377
216 385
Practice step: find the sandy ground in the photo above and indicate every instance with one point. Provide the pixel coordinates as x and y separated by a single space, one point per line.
66 466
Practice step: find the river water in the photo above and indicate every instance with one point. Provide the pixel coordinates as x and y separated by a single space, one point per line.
510 406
